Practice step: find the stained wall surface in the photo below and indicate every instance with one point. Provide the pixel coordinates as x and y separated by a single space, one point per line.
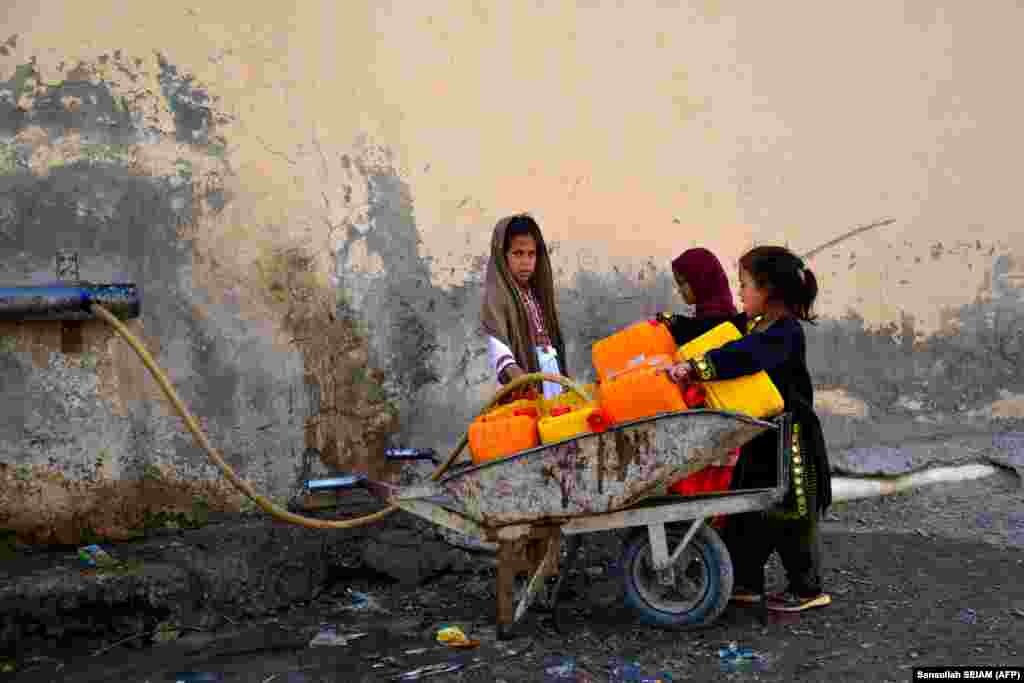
306 196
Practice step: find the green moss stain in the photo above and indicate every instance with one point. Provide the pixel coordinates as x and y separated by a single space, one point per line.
152 472
217 150
24 75
121 568
8 544
196 518
376 393
102 153
8 160
183 168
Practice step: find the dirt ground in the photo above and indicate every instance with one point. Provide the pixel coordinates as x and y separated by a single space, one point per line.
929 578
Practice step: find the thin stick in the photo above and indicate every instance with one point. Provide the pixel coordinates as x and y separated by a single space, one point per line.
847 235
110 647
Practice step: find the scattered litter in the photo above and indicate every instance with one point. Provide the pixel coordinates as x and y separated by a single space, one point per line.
452 636
733 658
431 670
622 671
199 677
329 636
560 669
417 651
166 632
968 616
1019 612
735 652
95 556
386 661
360 602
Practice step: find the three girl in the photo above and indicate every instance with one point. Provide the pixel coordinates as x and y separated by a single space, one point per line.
778 292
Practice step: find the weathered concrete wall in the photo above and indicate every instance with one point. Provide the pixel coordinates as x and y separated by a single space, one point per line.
306 199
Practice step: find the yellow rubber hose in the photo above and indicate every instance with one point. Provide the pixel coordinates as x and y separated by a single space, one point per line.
246 488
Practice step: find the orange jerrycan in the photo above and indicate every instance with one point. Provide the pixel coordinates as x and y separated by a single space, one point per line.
642 391
630 346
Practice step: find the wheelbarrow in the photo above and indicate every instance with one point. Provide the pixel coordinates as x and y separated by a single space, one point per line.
677 570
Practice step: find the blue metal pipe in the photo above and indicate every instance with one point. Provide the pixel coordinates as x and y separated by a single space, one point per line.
69 301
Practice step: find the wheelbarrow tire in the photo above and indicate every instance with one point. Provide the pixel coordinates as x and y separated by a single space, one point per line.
715 569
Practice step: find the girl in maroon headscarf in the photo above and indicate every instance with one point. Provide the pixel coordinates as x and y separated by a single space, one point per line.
702 283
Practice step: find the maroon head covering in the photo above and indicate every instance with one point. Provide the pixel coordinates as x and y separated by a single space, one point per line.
703 272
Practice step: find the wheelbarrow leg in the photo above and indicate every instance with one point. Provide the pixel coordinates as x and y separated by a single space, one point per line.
534 551
508 566
513 545
540 568
572 555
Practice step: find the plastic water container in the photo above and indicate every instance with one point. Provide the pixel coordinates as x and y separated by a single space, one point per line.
498 437
568 398
556 427
754 395
509 409
708 480
642 391
634 344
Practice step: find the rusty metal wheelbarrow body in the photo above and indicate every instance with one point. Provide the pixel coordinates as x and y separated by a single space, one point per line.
616 479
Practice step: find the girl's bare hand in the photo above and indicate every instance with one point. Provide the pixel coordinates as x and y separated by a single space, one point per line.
679 373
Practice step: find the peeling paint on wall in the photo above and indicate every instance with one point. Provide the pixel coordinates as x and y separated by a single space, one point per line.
96 163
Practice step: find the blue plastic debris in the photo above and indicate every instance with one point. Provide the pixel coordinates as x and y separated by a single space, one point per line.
734 658
198 677
559 669
622 671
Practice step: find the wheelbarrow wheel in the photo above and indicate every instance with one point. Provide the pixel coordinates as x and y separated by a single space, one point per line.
702 586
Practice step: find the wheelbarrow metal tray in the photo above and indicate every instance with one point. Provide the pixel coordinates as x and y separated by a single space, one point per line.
591 474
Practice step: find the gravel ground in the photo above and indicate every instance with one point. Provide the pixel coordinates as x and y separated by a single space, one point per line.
927 578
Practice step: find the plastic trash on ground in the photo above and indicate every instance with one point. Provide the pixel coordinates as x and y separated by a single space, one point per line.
329 636
198 677
564 670
452 636
734 658
95 556
361 602
559 669
622 671
430 670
